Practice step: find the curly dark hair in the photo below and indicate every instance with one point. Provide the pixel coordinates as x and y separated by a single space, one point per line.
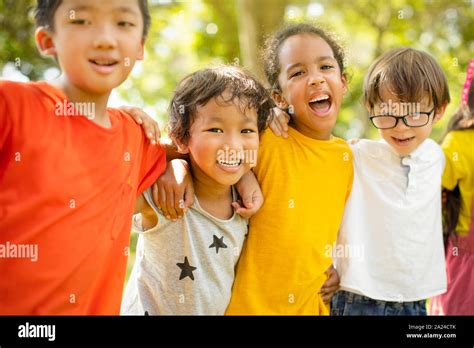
45 10
274 42
201 86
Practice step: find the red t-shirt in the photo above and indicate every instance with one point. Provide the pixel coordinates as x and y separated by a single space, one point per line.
67 188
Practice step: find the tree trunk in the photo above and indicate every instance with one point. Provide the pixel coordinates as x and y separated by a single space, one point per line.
256 20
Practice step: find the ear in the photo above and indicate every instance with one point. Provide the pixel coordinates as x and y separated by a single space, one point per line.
344 83
439 112
182 147
279 100
141 50
45 43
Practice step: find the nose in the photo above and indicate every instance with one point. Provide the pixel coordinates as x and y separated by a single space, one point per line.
233 142
315 78
401 126
104 37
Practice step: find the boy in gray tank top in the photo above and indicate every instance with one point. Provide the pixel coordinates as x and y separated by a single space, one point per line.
187 266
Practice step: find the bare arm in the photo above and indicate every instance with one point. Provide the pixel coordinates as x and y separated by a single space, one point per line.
149 217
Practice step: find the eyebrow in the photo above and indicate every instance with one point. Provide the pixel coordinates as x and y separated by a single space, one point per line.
218 119
81 8
122 9
319 59
215 119
126 9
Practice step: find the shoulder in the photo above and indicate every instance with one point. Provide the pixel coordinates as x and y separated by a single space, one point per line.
372 148
14 89
268 137
340 144
31 95
432 149
126 119
458 145
128 124
27 100
458 138
7 85
271 144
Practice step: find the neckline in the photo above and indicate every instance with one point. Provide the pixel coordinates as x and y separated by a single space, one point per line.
202 210
59 96
292 132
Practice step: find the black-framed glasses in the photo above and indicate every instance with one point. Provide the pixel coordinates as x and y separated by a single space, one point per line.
416 119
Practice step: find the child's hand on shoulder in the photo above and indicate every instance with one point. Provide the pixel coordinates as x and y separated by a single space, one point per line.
149 125
173 192
279 123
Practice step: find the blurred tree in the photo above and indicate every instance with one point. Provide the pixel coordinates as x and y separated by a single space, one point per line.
188 35
257 19
368 28
17 44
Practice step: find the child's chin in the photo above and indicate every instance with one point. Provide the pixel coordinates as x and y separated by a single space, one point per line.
404 151
228 180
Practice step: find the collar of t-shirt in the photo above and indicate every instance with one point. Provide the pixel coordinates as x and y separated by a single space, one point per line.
383 164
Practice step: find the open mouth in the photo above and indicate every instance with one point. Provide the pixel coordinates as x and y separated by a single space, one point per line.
321 105
404 141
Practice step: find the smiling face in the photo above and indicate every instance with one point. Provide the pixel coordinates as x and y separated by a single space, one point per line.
312 85
223 142
402 138
95 42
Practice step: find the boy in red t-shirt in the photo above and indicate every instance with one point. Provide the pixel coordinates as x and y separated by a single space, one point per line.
71 168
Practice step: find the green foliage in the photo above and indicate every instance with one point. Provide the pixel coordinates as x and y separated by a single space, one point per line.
368 28
189 35
17 44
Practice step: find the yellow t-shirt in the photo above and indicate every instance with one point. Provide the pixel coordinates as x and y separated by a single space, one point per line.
458 148
282 267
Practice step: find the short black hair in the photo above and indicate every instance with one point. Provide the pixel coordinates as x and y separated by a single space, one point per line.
201 86
273 44
45 10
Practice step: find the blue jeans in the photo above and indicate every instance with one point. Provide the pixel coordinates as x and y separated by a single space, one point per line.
348 303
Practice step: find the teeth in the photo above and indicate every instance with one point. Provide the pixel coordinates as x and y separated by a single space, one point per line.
228 164
320 98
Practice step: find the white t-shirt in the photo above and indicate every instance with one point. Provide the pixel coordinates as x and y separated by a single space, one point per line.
390 245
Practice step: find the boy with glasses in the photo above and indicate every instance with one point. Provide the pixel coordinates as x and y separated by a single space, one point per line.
393 215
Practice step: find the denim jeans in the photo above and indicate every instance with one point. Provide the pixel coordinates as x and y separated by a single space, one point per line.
348 303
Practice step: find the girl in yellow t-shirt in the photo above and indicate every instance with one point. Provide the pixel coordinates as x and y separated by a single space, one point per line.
458 181
305 180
